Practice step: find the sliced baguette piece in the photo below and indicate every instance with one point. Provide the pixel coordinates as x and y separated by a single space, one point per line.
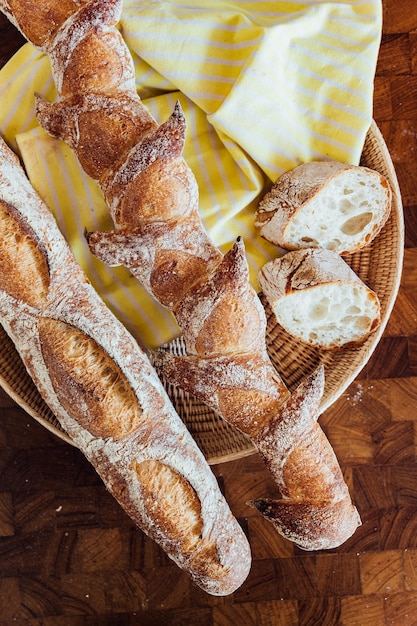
317 297
325 204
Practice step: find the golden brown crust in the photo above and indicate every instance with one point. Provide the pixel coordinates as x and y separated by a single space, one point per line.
20 259
89 384
95 65
238 321
244 389
99 127
41 25
317 297
221 314
153 183
170 274
325 204
171 501
168 258
315 511
323 525
162 186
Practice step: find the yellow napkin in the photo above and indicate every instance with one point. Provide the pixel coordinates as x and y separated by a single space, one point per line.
264 86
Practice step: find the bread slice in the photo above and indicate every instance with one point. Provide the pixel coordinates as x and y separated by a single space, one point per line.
319 299
327 205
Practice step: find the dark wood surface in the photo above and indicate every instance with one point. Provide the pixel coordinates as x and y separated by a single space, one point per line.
69 555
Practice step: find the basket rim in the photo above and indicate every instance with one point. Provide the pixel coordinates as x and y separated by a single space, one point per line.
397 214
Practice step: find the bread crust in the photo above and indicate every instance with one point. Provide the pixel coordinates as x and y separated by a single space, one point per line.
107 396
291 198
21 253
315 510
317 297
153 198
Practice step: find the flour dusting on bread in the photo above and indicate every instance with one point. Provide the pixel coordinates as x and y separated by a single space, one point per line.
327 205
317 297
101 387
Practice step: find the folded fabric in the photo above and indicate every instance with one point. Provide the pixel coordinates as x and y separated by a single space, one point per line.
264 87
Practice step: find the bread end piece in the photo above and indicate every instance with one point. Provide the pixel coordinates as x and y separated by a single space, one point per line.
317 298
311 526
325 204
315 510
211 547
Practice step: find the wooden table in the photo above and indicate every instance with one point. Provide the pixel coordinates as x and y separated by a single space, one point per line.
70 556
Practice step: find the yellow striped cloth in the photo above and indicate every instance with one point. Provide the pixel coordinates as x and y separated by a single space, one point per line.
264 86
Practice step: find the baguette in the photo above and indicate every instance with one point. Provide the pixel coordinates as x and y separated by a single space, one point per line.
152 198
317 297
107 396
316 494
325 204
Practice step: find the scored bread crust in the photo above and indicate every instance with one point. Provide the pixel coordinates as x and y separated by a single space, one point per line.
326 204
312 492
317 297
106 395
152 197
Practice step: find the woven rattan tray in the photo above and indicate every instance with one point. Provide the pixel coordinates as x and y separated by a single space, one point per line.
379 266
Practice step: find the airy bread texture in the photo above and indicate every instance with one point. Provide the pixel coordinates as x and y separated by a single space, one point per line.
152 197
106 395
325 204
318 298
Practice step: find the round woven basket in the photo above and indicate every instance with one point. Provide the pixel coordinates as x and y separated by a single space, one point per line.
379 265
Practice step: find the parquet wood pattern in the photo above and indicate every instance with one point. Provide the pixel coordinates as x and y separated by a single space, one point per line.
69 556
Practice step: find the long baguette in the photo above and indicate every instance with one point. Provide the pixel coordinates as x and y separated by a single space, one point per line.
107 396
153 200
